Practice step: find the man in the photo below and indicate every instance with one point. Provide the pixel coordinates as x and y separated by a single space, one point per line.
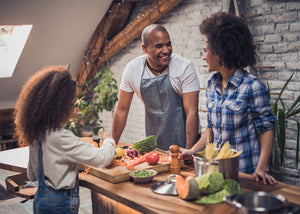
167 85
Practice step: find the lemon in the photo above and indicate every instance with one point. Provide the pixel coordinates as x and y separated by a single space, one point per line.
119 152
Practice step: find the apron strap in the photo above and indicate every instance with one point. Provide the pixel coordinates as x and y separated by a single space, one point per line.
41 175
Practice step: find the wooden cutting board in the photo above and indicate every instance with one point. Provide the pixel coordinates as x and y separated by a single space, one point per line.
121 173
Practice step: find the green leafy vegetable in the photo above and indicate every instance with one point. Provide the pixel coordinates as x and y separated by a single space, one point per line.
230 187
142 173
214 198
146 145
210 183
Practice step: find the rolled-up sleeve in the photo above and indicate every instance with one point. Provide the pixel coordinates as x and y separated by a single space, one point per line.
263 118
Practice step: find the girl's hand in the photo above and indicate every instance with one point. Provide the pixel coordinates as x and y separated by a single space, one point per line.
264 176
104 135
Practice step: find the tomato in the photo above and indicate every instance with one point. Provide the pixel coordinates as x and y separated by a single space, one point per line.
152 158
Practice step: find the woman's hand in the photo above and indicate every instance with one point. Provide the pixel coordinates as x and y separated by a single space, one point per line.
185 154
264 176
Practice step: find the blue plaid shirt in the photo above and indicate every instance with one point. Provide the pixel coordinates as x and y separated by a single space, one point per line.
244 114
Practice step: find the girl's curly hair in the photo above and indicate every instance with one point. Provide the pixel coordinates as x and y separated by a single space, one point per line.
46 102
229 37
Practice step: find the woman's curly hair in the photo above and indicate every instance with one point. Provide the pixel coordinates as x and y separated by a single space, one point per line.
229 37
45 103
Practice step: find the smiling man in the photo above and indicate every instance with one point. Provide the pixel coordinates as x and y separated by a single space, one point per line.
168 86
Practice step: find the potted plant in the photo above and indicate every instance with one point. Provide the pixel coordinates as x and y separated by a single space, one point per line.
283 115
100 93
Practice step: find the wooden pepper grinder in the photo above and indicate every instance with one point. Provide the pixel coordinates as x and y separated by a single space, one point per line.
175 166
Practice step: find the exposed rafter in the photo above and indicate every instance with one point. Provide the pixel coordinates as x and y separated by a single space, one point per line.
96 56
111 24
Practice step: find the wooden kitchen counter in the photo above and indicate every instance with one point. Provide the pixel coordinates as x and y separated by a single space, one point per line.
140 196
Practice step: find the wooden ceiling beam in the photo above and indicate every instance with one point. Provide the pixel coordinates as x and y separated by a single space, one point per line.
134 29
98 52
112 23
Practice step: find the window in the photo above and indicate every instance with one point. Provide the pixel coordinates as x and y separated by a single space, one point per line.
12 42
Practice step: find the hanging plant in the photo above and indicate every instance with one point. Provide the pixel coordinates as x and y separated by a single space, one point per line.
100 93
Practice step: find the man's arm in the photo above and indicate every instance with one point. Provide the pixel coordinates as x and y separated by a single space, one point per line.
190 104
121 113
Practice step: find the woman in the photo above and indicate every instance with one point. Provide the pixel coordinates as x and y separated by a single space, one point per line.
45 104
237 101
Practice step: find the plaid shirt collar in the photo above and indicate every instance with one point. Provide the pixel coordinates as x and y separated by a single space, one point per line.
235 80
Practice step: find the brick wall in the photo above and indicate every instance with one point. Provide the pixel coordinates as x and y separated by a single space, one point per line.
183 26
277 25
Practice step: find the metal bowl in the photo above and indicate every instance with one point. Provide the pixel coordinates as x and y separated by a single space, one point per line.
143 180
229 167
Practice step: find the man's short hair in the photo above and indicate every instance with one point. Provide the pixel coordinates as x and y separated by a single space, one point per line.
147 30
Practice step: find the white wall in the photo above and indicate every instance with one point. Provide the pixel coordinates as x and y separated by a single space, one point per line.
61 32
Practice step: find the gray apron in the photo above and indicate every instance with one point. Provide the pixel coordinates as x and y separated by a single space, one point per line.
164 113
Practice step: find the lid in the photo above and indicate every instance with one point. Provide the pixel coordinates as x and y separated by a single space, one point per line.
165 187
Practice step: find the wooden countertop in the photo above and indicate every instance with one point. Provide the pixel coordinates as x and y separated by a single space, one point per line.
15 159
141 198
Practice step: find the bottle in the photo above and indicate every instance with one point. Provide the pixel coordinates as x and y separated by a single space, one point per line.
175 165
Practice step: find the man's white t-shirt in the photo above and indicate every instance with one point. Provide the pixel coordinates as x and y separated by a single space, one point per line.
182 75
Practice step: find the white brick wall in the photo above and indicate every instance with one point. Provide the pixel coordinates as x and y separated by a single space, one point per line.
278 26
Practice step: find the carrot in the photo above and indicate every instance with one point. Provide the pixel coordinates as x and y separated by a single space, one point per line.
164 158
136 161
85 172
115 163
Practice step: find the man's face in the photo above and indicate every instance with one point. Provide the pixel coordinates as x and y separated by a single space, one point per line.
158 49
212 60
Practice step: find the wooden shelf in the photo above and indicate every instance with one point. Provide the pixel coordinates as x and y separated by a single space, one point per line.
263 67
4 143
251 15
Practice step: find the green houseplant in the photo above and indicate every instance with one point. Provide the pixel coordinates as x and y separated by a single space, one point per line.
283 114
100 93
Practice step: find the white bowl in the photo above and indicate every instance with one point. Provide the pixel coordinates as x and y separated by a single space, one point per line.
144 179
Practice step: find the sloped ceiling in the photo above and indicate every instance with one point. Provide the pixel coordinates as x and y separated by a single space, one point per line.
60 34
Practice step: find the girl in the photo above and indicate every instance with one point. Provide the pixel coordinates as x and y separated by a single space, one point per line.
45 104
